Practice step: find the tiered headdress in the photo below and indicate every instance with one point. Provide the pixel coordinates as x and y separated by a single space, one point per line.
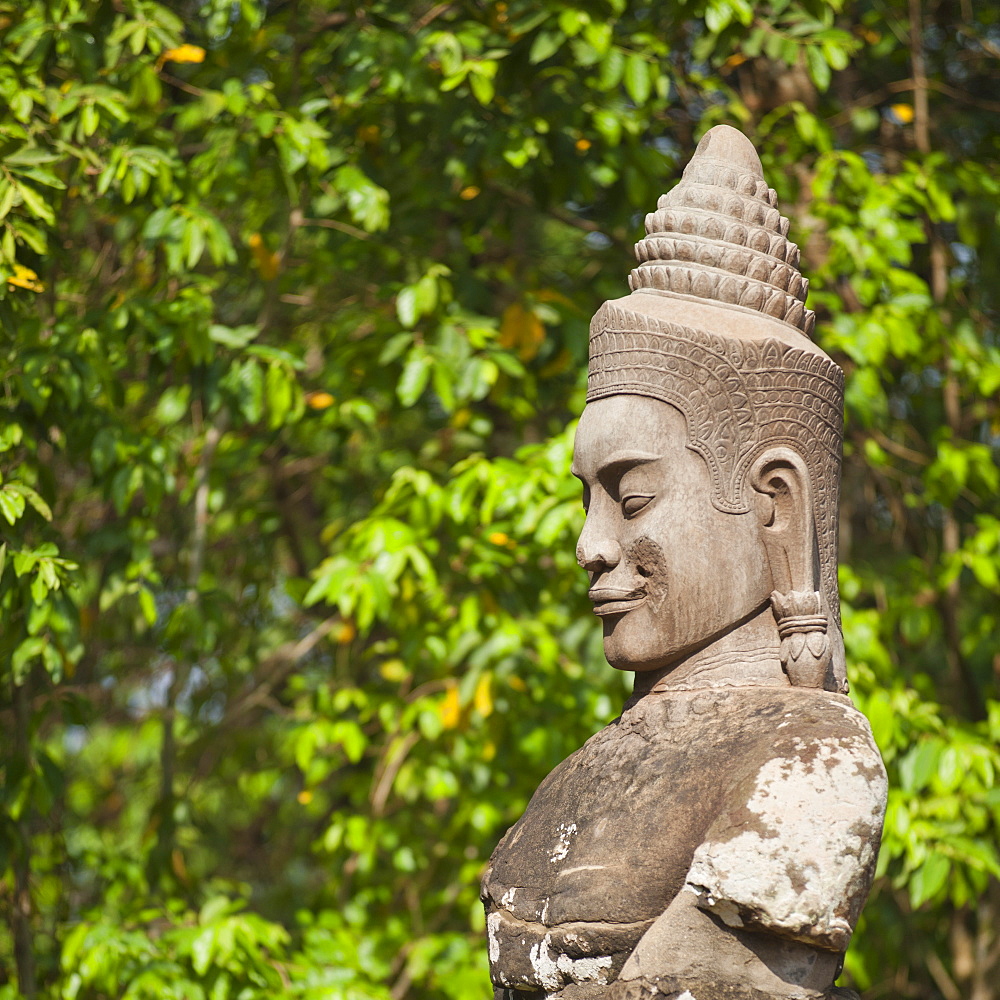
718 235
716 325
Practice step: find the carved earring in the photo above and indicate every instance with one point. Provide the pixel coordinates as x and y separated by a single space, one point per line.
805 645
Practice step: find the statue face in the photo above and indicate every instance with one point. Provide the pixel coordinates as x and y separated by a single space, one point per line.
669 573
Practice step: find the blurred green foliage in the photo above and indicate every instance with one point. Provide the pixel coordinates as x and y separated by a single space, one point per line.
293 311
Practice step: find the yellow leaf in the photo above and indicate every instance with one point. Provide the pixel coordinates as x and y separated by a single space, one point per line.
394 670
489 750
560 363
736 59
583 145
319 400
483 699
345 633
497 538
904 112
183 54
517 683
304 797
450 708
24 277
267 262
468 193
521 330
177 864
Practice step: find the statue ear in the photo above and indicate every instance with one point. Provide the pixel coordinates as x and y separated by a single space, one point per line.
784 505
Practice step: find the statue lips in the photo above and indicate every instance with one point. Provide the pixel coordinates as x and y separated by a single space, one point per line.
610 601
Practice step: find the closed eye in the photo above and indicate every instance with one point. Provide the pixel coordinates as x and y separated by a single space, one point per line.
634 502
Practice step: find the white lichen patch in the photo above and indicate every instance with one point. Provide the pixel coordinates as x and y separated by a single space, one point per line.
507 899
553 969
812 827
566 832
581 868
687 996
492 925
725 909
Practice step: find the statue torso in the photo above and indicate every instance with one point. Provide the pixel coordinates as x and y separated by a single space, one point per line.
608 840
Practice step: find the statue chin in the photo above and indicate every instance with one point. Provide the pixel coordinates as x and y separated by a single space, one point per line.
628 648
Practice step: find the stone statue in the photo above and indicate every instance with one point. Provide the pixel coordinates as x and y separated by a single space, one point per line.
718 840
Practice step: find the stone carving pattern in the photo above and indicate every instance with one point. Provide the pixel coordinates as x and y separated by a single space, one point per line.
721 286
719 235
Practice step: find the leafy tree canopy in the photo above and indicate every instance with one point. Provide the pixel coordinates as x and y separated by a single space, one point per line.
293 310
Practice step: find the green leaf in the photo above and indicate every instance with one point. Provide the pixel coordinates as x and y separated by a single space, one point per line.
638 80
31 496
545 45
819 68
21 106
406 306
917 766
928 880
482 87
8 193
234 337
11 505
368 203
413 381
612 69
203 949
36 203
571 21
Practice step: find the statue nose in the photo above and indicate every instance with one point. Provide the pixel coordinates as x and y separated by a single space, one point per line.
597 553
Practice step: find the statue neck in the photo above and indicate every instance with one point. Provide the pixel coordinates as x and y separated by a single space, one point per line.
745 656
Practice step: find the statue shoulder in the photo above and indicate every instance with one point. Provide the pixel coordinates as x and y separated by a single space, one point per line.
794 852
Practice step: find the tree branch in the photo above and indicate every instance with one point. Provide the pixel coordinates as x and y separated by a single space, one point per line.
23 909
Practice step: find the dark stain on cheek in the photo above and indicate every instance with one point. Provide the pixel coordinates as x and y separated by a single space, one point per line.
650 563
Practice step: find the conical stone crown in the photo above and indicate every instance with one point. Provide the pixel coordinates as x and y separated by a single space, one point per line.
718 235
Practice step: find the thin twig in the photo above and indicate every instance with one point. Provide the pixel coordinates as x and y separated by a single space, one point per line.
941 978
199 529
23 908
341 227
181 85
391 763
435 12
900 450
275 668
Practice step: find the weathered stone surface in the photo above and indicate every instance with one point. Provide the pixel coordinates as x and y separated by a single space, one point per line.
662 989
770 820
719 838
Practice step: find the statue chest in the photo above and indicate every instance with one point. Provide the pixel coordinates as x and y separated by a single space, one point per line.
610 832
608 837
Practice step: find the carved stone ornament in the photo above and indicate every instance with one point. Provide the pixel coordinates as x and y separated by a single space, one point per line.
718 840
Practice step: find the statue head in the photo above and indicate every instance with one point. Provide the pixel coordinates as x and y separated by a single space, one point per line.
710 444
